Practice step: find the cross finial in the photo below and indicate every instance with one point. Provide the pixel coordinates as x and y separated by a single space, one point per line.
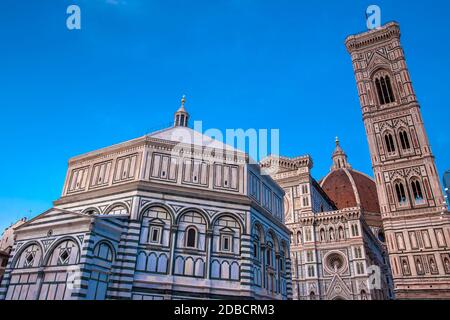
337 140
183 100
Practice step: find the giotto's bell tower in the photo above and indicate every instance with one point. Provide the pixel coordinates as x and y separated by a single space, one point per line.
416 224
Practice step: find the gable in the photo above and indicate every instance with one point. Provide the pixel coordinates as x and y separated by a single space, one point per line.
52 219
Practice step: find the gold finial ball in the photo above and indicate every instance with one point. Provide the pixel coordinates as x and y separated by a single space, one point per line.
183 99
337 140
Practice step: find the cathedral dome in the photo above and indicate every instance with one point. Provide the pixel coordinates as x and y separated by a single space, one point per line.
349 188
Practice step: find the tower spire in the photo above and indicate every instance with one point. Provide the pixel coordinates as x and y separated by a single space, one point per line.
339 157
181 116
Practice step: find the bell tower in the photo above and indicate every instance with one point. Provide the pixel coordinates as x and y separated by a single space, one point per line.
416 224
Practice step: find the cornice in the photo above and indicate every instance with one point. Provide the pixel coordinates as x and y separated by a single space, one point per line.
159 144
387 32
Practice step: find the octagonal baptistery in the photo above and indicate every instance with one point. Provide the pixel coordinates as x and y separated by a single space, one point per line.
170 215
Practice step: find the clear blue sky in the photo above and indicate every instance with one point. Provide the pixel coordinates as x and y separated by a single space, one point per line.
242 63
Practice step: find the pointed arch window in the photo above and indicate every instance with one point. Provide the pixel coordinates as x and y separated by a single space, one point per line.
389 88
379 91
404 140
384 90
390 145
417 191
401 194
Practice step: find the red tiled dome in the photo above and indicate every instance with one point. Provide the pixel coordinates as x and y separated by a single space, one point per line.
348 188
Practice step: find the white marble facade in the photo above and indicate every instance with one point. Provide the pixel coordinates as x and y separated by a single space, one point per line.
333 250
139 220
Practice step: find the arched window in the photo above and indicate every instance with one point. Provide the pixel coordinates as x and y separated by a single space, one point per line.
66 253
91 211
379 91
191 238
390 146
417 191
117 210
384 90
99 278
104 252
400 191
389 87
312 296
30 257
156 223
404 140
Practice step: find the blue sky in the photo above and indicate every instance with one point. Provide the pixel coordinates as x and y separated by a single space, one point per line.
242 64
